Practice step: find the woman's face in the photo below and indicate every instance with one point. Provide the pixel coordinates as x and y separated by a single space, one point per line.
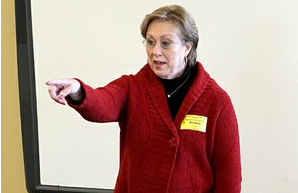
166 52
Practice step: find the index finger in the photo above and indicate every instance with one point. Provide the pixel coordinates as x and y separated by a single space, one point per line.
57 82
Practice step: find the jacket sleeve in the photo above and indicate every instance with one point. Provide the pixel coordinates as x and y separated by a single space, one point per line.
103 104
226 157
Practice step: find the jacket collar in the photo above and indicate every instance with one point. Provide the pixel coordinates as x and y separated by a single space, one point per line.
158 97
195 91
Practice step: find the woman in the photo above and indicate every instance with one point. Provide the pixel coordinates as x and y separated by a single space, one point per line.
178 129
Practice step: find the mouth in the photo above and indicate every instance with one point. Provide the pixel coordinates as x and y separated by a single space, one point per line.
158 64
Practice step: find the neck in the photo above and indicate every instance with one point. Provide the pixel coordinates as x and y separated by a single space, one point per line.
171 84
176 89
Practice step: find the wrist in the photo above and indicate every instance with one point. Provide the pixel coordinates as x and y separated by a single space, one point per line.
77 96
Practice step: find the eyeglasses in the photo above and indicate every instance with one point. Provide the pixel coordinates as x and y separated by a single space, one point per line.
164 44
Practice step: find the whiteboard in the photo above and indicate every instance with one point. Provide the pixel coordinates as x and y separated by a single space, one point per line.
249 47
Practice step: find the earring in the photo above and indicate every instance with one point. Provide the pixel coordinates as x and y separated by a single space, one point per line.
185 60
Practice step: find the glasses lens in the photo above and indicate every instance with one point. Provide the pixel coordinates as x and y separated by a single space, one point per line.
149 43
166 44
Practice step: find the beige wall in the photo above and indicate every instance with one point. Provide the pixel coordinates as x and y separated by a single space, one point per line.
12 167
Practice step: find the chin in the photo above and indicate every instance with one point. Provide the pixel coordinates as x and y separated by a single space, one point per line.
160 74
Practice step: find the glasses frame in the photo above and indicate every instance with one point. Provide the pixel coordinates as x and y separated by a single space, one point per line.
171 45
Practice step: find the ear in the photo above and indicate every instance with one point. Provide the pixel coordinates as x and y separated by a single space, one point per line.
188 46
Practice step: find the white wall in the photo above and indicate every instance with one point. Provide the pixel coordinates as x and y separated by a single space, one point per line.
250 47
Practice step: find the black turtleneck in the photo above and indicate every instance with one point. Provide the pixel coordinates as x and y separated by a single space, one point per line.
175 100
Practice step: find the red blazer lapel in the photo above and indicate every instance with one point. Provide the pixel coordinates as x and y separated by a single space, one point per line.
193 94
158 97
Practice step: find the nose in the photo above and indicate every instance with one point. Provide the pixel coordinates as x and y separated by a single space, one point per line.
157 49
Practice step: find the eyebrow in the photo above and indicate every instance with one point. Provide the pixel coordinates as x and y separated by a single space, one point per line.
165 35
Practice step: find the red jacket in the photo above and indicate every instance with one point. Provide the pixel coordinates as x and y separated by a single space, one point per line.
156 154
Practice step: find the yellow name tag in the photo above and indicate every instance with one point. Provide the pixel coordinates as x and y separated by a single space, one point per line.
195 123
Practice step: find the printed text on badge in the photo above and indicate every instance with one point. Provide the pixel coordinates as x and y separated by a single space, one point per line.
195 123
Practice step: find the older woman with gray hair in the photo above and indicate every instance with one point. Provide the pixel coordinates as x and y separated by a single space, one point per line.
178 128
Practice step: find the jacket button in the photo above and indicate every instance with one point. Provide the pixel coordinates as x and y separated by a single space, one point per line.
173 142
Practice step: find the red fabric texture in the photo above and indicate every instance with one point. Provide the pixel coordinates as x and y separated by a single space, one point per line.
156 156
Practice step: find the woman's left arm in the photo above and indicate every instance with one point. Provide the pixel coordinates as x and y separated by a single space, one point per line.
226 157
